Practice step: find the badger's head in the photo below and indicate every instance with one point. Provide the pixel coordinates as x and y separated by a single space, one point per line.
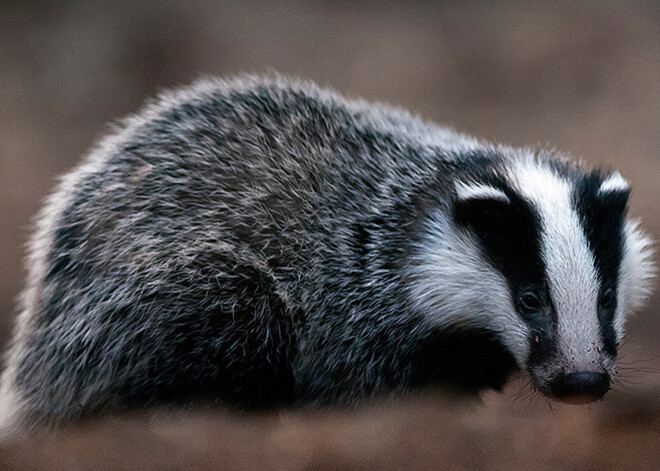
540 253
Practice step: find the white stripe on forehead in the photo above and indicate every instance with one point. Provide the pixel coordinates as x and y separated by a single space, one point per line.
569 263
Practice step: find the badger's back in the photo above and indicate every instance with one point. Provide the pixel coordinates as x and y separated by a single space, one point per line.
178 259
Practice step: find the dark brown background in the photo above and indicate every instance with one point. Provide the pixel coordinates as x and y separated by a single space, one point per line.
583 76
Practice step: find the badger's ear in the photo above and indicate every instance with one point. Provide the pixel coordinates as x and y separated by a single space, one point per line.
480 206
613 194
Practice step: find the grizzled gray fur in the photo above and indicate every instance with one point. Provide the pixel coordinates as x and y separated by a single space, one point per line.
248 242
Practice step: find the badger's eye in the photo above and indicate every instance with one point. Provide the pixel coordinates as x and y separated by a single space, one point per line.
530 302
607 298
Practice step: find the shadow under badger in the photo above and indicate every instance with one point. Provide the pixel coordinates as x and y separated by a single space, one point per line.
262 242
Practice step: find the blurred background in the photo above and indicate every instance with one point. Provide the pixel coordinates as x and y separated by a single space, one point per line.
581 76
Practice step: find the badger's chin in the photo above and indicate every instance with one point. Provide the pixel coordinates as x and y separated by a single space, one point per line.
578 387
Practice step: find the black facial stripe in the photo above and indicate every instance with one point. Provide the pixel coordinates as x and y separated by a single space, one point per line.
602 217
510 233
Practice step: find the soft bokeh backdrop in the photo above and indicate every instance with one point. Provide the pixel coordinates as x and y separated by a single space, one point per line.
581 76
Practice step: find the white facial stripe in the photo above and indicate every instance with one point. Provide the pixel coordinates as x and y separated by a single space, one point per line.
614 182
466 191
569 263
454 286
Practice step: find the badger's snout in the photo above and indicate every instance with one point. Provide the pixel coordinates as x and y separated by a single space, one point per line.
580 387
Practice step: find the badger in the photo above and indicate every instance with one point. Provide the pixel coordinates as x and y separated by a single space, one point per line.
261 242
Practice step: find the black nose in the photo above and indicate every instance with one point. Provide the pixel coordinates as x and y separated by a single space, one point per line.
581 387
